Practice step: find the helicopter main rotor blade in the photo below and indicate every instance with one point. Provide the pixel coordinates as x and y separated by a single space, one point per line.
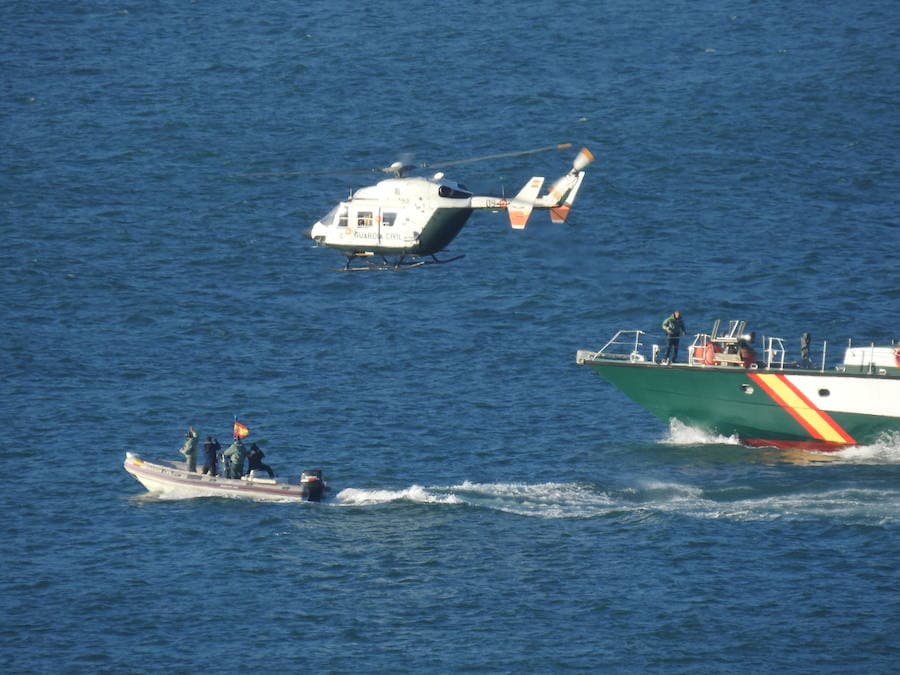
501 155
401 167
330 172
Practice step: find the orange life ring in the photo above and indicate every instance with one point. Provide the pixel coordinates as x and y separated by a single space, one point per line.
709 358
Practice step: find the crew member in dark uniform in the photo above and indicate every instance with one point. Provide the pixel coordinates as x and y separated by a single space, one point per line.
255 461
211 453
189 449
804 350
234 459
674 329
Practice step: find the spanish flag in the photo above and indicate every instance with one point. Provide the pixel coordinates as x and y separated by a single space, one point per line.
240 430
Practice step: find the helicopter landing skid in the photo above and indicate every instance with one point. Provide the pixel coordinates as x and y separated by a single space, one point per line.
400 264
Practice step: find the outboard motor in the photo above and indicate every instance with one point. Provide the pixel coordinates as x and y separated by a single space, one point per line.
313 485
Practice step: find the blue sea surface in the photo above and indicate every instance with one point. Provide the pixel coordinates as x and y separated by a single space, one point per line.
496 508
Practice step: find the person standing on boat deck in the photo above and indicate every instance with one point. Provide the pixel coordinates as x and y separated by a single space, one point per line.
189 449
211 453
254 461
234 458
674 329
804 350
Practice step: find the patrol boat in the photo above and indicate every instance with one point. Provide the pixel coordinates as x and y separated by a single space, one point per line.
724 388
173 479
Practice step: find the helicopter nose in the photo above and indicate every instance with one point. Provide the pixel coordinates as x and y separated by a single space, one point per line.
316 232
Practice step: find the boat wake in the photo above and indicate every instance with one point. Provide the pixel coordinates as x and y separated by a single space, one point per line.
682 434
414 493
884 451
644 500
549 500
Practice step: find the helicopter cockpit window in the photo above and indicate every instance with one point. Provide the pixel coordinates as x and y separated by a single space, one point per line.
364 219
329 219
451 193
388 218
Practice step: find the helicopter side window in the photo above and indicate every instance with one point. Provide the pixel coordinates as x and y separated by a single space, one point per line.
364 219
342 218
450 193
388 218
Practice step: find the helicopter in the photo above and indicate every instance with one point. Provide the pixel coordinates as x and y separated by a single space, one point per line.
407 220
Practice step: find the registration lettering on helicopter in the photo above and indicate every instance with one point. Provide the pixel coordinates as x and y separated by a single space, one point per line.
496 203
376 236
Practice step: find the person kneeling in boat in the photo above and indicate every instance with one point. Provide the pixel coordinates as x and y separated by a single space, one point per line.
255 462
234 459
189 449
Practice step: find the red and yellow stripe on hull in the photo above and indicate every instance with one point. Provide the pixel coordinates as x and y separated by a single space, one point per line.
817 423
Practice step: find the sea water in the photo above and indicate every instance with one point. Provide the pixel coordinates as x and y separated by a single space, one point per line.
495 508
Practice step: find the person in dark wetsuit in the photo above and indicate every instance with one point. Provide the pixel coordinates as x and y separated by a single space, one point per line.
255 461
211 453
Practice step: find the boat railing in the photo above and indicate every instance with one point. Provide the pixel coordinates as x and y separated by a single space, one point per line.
731 348
773 353
697 350
734 349
625 345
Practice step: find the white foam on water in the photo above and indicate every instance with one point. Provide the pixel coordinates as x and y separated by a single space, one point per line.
544 500
886 450
645 498
665 491
871 506
414 493
875 506
547 500
682 434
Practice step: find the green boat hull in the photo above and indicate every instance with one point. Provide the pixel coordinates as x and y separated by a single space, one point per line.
786 408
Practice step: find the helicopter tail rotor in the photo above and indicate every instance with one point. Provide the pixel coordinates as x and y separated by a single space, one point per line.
582 159
561 196
558 200
558 214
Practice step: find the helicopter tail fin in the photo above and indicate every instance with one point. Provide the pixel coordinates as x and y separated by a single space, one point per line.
558 214
562 193
520 206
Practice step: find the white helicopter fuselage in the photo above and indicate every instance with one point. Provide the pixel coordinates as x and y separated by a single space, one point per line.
411 216
418 216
